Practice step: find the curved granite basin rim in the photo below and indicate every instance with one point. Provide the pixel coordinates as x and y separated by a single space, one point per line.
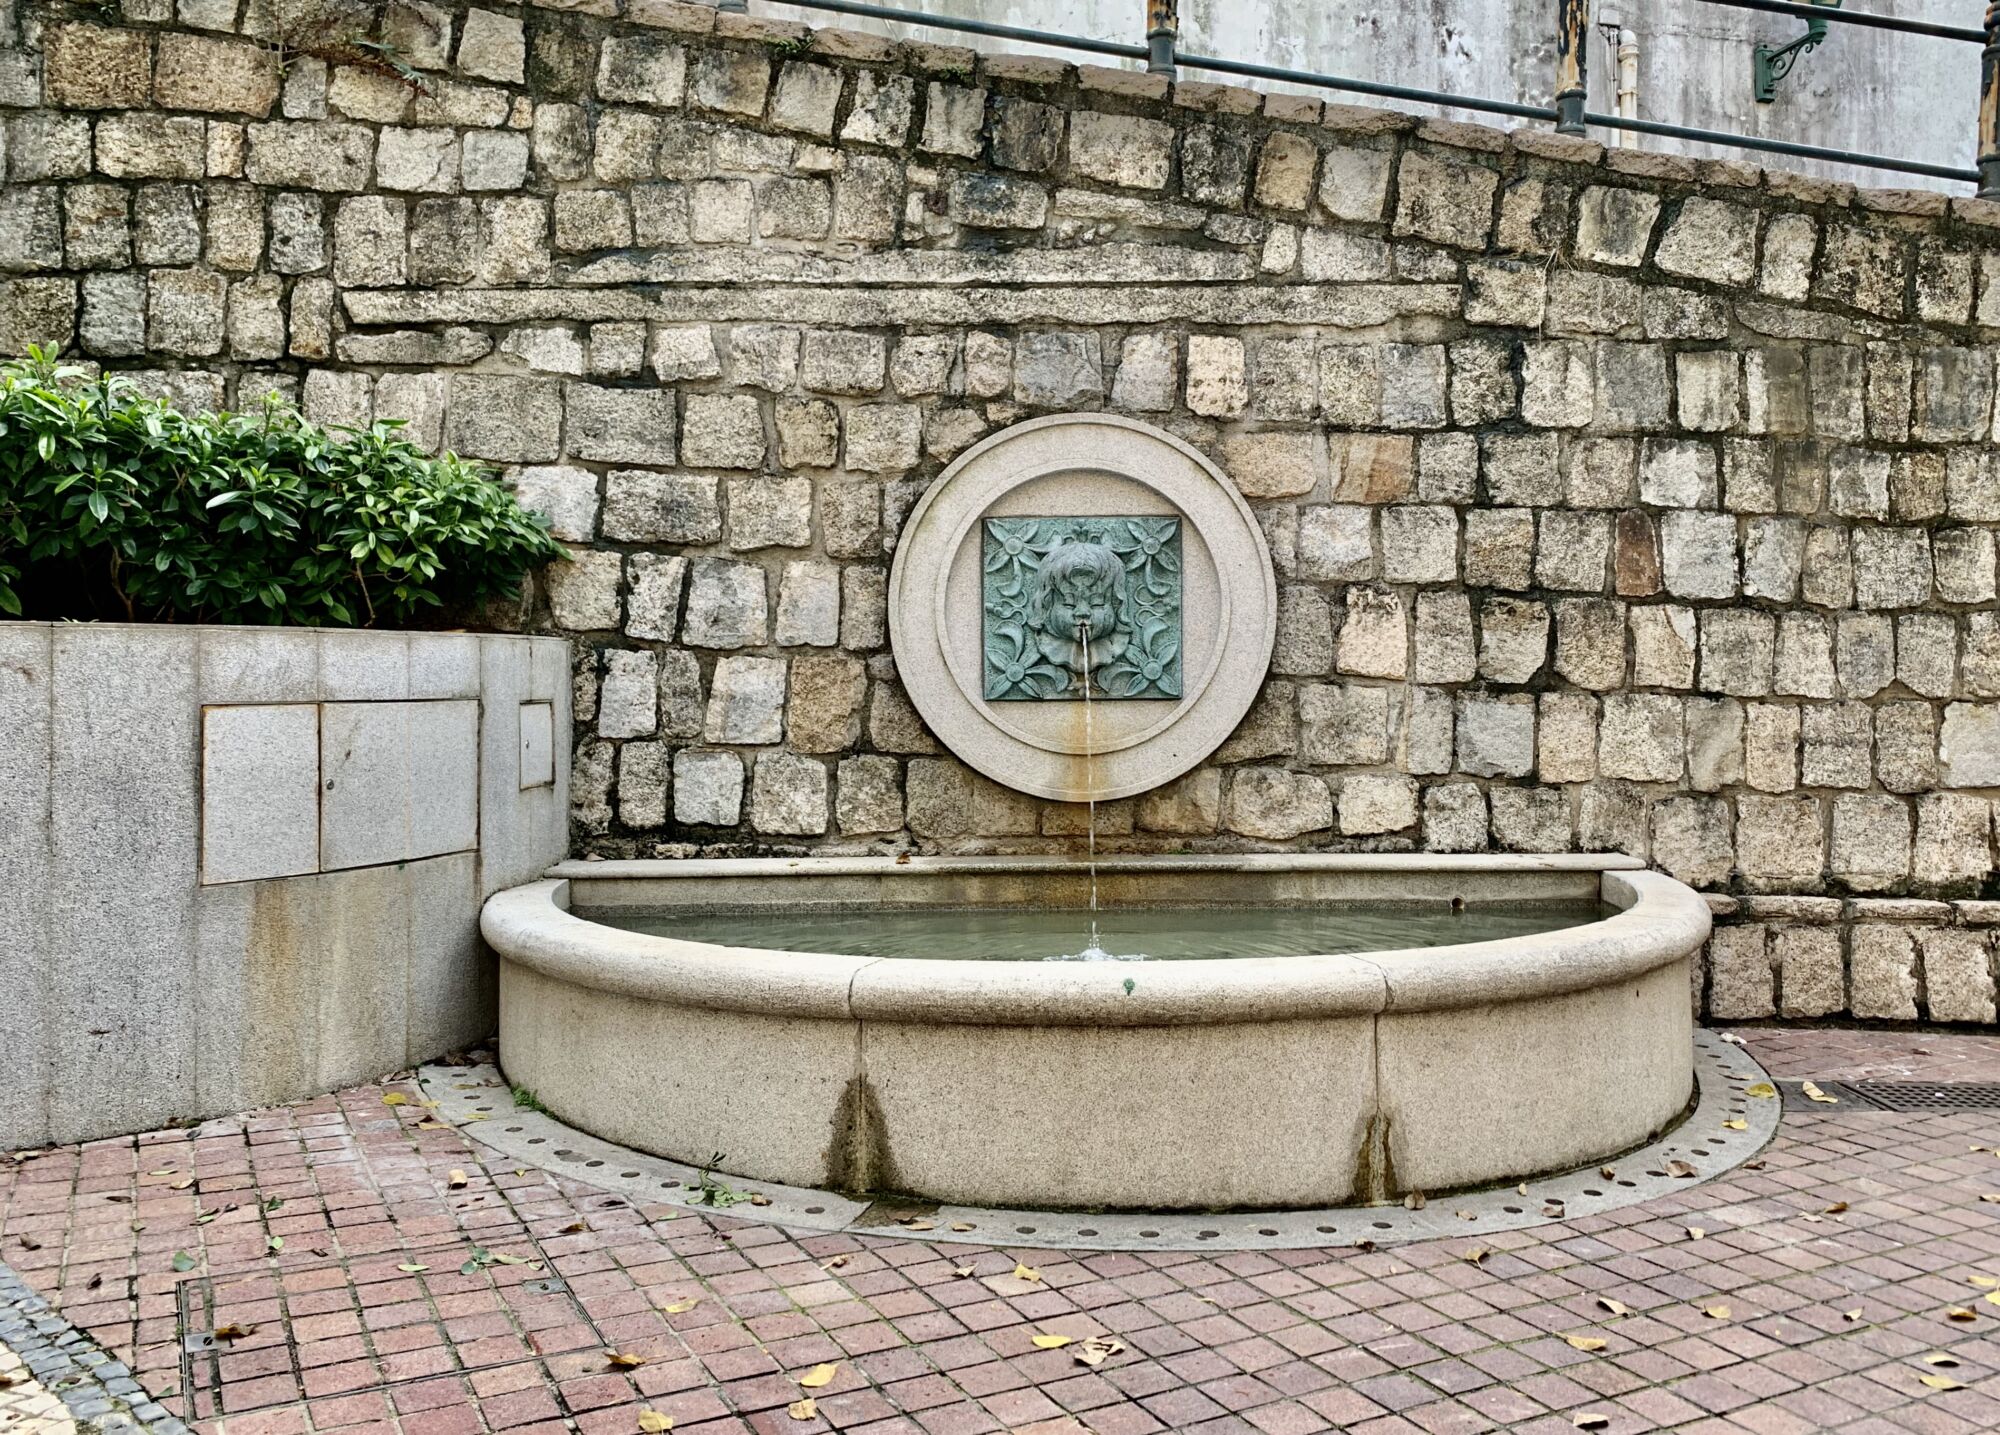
1659 922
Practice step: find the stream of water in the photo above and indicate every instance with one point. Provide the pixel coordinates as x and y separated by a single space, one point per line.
1094 951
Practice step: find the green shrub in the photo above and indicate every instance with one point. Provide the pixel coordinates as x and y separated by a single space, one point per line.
115 505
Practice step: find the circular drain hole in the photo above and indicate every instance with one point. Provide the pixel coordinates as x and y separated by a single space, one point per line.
1149 1234
1593 1192
593 1164
538 1140
1381 1225
628 1175
1512 1210
1324 1230
1266 1231
815 1210
562 1155
1086 1230
1024 1230
512 1129
1623 1182
1207 1235
670 1184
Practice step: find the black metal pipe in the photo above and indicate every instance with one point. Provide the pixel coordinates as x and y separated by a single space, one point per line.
1857 17
1163 27
978 27
1364 87
1989 107
1572 68
1804 151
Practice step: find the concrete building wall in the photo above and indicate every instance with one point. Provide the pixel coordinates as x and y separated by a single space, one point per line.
1870 91
245 865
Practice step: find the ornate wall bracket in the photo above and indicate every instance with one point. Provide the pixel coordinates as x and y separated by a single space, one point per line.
1769 65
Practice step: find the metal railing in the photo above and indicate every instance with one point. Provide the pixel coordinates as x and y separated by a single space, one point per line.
1161 54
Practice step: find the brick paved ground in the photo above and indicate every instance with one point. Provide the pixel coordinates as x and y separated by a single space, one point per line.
386 1278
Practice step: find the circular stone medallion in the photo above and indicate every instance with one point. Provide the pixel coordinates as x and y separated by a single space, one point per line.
1082 607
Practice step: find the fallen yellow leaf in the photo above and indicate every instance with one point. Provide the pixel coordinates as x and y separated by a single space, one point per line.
1586 1342
1962 1313
1475 1255
1992 1297
1938 1357
1760 1088
1941 1382
1813 1093
1414 1201
915 1223
623 1360
456 1179
412 1268
834 1264
681 1307
1835 1209
1026 1273
961 1225
653 1422
802 1409
819 1375
1616 1307
1679 1168
1695 1233
1049 1342
234 1332
1854 1314
961 1271
1736 1125
1716 1312
1609 1173
1985 1283
394 1098
1589 1420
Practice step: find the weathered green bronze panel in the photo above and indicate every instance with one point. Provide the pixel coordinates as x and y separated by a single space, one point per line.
1119 579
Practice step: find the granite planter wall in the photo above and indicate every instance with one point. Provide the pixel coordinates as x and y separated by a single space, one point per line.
245 865
1617 501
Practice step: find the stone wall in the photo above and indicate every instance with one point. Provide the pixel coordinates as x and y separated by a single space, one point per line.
1618 501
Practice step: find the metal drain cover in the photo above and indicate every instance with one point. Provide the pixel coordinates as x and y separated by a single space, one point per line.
1929 1095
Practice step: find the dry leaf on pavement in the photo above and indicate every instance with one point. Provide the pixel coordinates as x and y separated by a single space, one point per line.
819 1375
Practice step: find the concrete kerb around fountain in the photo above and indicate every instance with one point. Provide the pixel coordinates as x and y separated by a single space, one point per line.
1311 1079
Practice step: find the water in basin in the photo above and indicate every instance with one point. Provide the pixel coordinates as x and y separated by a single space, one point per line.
1154 933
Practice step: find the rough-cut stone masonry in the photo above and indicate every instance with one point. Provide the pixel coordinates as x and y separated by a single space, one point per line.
1617 501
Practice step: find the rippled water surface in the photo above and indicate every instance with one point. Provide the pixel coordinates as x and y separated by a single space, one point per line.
1028 934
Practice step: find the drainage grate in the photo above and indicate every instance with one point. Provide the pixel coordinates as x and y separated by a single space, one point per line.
1929 1095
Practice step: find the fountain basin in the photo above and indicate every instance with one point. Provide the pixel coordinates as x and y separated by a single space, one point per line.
1248 1081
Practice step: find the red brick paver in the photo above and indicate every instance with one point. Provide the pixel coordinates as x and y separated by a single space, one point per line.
362 1286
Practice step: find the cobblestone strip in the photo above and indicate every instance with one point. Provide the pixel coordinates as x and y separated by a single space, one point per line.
75 1382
